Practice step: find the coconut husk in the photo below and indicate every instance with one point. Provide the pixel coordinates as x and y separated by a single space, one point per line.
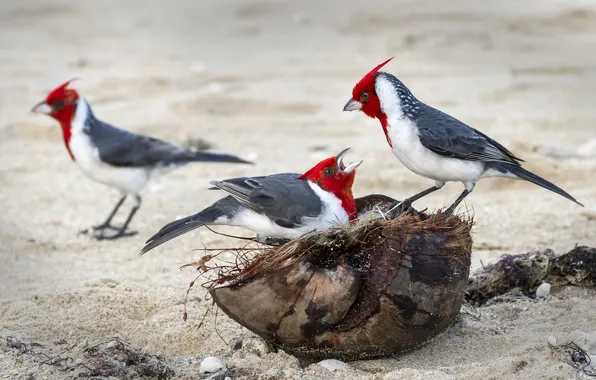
378 287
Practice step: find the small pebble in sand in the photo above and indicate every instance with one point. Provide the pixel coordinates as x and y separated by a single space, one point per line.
543 290
211 364
552 340
333 365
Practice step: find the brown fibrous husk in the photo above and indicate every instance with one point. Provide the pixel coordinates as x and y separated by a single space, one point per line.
377 287
324 247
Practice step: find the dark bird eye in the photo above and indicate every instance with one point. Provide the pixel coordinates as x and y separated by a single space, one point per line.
364 96
328 172
57 104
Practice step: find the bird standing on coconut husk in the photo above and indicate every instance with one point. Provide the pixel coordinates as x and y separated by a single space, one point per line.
278 206
113 156
433 144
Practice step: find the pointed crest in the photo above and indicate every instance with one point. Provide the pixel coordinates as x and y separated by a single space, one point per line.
371 74
59 91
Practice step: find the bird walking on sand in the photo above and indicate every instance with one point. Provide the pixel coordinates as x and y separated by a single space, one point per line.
278 206
112 156
433 144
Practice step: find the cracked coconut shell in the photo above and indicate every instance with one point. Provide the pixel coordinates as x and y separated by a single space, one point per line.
377 288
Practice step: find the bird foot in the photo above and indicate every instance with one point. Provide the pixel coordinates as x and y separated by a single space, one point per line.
119 234
271 241
398 208
448 211
99 227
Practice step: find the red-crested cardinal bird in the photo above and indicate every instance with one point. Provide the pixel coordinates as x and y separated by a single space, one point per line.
113 156
433 144
278 206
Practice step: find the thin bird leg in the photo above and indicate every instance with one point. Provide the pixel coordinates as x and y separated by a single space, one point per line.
107 224
421 194
405 205
461 197
121 232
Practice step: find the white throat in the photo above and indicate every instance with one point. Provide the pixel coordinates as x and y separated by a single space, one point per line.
78 122
389 98
333 213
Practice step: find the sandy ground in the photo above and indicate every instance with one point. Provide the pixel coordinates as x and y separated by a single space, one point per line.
267 80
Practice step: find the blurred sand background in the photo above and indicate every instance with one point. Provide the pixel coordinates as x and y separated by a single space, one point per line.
267 80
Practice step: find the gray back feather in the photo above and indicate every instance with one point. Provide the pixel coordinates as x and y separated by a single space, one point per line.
282 197
449 137
118 147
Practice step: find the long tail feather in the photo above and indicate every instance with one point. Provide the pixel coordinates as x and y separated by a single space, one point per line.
531 177
217 157
181 226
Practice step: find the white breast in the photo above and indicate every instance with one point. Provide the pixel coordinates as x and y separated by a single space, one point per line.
128 180
333 215
411 153
333 212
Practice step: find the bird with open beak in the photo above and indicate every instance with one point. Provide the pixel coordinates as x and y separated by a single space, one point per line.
278 206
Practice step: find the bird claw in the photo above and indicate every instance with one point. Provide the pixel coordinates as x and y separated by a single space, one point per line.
398 208
98 232
99 227
448 211
271 241
117 235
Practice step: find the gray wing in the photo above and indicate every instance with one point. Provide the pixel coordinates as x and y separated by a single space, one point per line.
449 137
118 147
282 197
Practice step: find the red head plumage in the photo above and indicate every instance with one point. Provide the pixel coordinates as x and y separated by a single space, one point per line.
365 98
331 175
369 78
364 92
61 104
62 93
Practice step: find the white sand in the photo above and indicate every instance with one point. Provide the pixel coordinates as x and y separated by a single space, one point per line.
267 81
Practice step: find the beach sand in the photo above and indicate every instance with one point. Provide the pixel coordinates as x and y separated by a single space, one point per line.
267 80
